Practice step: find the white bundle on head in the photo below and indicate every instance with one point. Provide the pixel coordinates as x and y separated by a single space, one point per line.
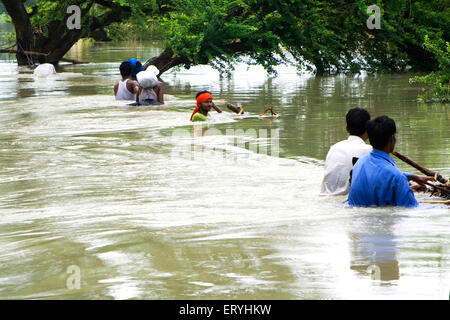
147 79
152 69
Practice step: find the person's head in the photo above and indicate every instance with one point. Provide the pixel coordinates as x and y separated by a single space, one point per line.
125 69
136 65
41 59
381 131
204 100
357 119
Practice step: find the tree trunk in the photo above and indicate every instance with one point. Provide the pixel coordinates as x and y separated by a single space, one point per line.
60 39
165 61
24 31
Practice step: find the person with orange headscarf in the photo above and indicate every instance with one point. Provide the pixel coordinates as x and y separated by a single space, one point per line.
204 105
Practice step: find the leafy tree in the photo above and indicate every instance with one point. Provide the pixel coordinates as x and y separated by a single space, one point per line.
322 35
438 82
42 26
325 36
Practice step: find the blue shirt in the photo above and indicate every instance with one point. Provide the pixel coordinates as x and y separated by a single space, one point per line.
376 181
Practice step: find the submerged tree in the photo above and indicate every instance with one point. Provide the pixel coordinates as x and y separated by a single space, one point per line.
43 26
320 35
328 36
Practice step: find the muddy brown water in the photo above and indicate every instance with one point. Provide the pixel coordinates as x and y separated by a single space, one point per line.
140 204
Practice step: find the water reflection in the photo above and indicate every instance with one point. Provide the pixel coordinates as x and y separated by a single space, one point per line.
374 246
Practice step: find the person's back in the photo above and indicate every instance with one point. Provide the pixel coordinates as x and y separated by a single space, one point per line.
338 163
123 93
126 88
376 180
147 81
44 69
157 92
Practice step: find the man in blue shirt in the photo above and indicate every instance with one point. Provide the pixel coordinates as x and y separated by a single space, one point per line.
376 179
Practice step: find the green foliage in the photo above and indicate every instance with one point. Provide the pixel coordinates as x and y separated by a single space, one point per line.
325 36
4 18
129 30
45 12
328 36
220 32
438 82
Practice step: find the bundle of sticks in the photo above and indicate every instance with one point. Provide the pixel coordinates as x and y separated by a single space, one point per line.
441 186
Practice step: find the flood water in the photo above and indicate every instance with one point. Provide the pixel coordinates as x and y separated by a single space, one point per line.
143 205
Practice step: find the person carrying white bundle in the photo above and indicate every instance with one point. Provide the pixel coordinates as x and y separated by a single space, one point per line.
44 69
150 89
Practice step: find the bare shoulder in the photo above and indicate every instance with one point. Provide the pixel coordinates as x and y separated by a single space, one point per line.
132 83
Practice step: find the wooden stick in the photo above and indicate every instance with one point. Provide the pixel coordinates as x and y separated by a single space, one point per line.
437 202
268 109
34 53
424 170
440 188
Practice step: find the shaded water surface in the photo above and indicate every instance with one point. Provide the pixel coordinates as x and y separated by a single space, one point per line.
146 206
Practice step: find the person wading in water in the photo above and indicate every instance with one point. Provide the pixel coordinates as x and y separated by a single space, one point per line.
127 88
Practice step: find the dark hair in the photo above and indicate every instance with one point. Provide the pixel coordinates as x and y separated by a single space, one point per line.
41 58
380 130
125 69
201 92
357 120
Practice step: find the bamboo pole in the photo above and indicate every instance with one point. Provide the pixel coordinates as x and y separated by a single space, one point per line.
437 202
422 169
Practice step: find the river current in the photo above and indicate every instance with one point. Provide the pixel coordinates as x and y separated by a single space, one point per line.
100 200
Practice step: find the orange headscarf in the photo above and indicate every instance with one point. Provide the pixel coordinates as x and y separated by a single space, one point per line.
201 98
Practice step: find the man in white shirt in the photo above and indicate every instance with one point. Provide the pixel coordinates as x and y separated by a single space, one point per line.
339 161
44 69
127 88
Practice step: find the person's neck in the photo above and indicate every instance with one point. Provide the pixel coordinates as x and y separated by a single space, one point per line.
385 150
364 136
203 112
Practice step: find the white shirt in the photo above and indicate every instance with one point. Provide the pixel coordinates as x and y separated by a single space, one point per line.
44 70
338 164
123 93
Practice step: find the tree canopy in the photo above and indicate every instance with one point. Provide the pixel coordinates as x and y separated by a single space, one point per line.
325 36
328 36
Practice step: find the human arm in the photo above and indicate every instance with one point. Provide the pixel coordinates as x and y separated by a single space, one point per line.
403 194
133 86
421 179
139 91
159 91
116 87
